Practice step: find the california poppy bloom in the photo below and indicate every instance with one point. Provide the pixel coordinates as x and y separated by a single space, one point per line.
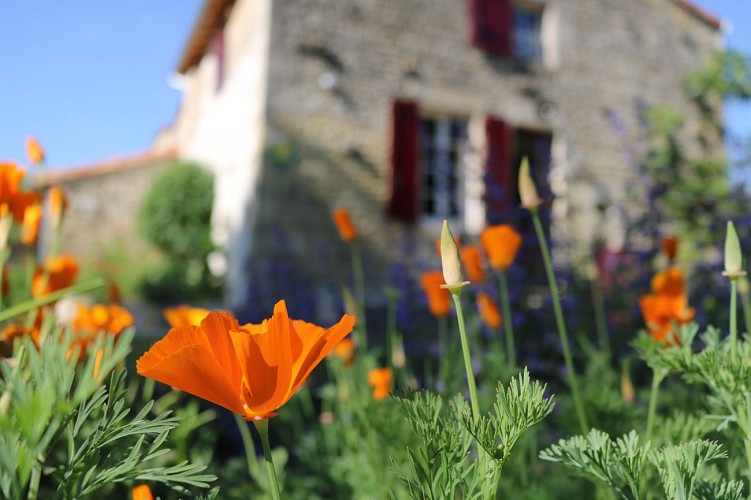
112 319
380 379
185 315
58 201
669 246
501 244
439 299
345 350
667 304
344 225
142 492
31 219
34 151
56 274
251 370
488 311
12 197
472 262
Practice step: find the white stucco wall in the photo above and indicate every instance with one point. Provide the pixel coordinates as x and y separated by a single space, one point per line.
224 129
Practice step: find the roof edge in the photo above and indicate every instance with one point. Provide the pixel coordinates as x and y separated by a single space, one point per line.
107 166
700 13
212 17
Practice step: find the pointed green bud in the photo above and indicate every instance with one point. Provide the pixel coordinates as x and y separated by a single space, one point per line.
527 190
733 257
450 260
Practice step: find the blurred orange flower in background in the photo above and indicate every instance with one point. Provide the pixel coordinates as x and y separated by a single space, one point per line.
488 311
142 492
251 370
185 315
344 225
99 318
58 201
56 273
669 246
31 219
439 299
380 379
667 304
34 151
501 244
12 197
472 262
345 350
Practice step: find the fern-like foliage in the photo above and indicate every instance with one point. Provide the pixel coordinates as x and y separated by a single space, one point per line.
679 466
66 435
619 464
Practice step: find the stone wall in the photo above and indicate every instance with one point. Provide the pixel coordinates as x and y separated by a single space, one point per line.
100 224
605 61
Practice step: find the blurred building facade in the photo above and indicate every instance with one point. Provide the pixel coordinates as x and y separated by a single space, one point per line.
409 112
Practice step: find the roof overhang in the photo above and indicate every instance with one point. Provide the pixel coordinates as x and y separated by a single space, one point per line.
210 20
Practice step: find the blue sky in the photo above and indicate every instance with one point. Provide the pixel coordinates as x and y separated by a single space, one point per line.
90 78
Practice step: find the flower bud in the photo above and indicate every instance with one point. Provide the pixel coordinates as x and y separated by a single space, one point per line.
733 258
527 190
450 260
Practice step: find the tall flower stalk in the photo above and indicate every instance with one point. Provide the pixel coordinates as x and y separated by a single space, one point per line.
454 278
348 233
531 201
733 270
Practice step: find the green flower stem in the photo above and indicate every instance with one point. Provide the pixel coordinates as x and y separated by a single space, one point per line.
30 305
250 449
36 476
456 294
262 426
560 322
733 314
359 277
657 379
598 303
746 305
508 324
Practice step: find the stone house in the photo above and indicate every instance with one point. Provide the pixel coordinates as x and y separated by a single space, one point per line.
411 111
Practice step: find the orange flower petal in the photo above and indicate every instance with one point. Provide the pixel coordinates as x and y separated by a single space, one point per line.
501 244
185 359
344 224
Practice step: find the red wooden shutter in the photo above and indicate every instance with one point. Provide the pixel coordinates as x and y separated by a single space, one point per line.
500 178
220 55
405 159
491 25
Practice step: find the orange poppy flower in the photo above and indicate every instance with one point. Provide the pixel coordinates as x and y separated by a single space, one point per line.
345 350
56 274
472 261
344 225
184 315
31 219
380 379
11 196
660 312
669 246
34 151
668 282
58 201
112 319
439 299
488 311
251 370
142 492
501 244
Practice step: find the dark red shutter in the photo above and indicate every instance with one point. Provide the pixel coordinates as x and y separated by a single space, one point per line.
500 177
491 25
220 62
405 160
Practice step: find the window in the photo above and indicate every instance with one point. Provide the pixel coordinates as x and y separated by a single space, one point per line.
442 143
507 28
527 28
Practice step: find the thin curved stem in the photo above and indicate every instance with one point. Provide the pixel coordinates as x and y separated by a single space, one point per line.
456 295
560 322
263 429
508 323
